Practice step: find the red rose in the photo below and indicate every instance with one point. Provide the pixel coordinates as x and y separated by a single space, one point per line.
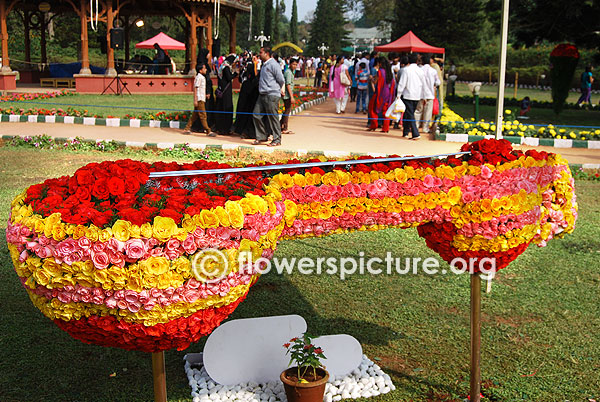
171 213
116 186
84 177
83 193
100 189
133 215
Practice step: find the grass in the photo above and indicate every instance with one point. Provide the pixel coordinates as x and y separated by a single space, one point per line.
537 94
540 322
543 116
114 105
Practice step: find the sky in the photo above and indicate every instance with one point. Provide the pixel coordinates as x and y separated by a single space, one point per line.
304 6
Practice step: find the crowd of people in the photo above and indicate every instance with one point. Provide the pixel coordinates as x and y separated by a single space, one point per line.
375 83
263 85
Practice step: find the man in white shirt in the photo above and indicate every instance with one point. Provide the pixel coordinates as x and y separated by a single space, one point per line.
199 103
410 88
424 110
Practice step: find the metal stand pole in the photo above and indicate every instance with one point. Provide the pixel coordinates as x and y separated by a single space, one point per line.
475 337
160 377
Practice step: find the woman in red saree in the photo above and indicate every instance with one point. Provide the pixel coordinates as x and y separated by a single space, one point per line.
385 93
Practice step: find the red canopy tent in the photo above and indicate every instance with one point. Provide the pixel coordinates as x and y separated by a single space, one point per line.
164 41
409 43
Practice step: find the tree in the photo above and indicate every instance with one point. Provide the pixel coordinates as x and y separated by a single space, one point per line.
453 24
327 27
275 37
294 24
532 21
376 11
268 18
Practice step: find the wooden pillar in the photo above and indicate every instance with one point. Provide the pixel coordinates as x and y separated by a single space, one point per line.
85 57
160 377
209 37
475 337
4 36
110 52
193 40
232 34
43 45
26 33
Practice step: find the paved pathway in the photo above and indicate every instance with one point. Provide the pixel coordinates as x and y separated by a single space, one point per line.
316 129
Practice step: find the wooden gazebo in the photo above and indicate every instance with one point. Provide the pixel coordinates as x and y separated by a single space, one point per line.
198 14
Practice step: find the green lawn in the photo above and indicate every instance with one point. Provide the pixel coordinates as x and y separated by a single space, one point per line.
544 116
540 322
114 105
537 94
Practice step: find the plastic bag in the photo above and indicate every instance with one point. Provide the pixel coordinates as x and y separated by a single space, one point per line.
391 112
400 106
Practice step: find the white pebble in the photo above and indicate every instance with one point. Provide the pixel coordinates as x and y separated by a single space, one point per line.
385 390
337 398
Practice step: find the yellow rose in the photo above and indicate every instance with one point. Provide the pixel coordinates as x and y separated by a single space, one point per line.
58 231
42 277
222 216
155 265
135 231
164 227
78 231
146 230
92 233
49 223
104 235
299 180
235 214
121 230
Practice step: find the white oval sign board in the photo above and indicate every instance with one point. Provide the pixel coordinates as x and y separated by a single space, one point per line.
250 349
343 353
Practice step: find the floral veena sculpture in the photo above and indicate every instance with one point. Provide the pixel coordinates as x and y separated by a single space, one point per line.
107 253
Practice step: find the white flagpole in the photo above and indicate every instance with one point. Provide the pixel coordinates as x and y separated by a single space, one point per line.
502 70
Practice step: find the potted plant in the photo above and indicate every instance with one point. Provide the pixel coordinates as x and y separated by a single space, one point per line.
304 382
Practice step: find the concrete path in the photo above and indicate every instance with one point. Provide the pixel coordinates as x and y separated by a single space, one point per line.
317 129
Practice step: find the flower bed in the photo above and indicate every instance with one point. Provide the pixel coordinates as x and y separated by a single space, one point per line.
116 259
452 123
29 96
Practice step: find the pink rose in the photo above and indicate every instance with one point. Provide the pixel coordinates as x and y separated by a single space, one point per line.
297 193
156 252
116 259
134 307
115 245
65 297
100 260
310 192
69 259
172 244
99 246
190 296
135 248
189 246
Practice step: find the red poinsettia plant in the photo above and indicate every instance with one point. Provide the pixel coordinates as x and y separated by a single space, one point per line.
305 355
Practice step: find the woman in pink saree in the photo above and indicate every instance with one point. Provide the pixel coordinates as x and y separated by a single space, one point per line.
337 90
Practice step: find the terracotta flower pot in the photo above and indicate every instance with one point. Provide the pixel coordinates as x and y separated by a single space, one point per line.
304 392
